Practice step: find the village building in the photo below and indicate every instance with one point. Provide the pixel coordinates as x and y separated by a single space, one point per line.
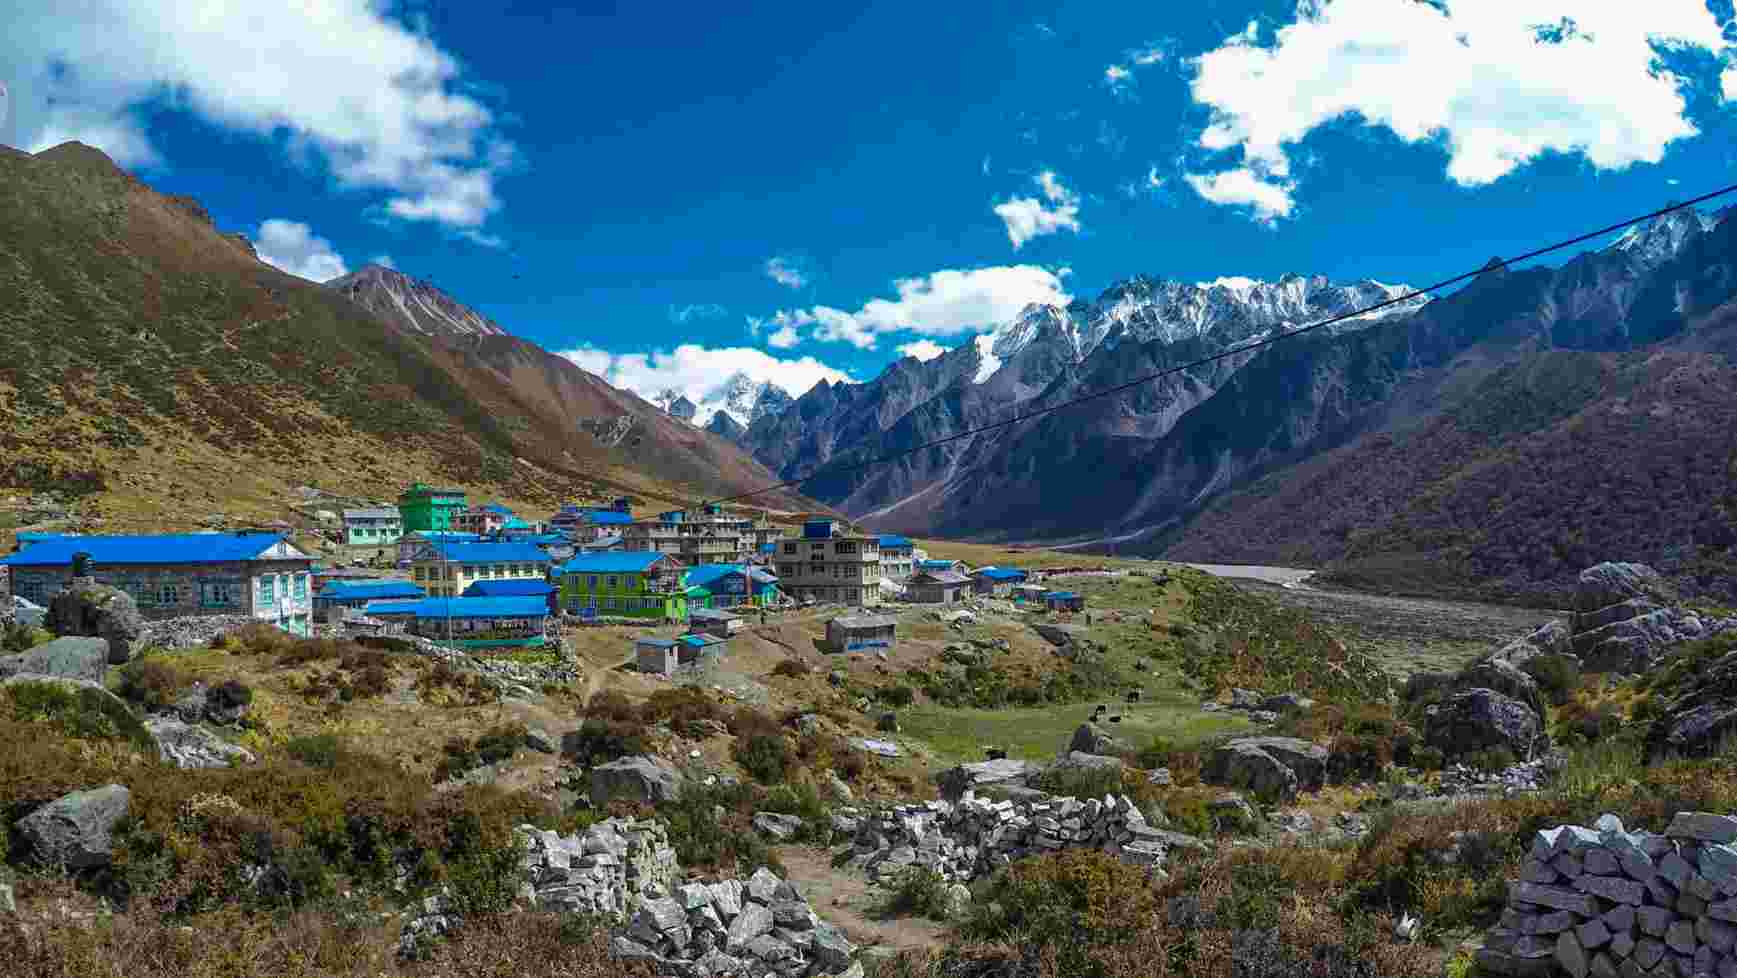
709 536
1064 601
379 526
581 524
713 621
998 581
897 561
630 584
855 633
606 544
470 623
482 520
733 585
414 542
446 569
827 564
23 540
259 575
937 587
956 566
520 588
668 656
1028 593
323 575
426 508
355 595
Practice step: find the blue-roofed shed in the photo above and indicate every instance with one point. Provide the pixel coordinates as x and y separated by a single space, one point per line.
1064 601
471 622
521 588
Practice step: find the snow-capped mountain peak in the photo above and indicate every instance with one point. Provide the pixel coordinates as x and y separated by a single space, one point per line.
1660 239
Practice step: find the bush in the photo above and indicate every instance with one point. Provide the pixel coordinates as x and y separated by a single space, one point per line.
1077 904
315 750
84 714
229 694
1557 676
703 840
897 696
918 892
792 669
153 682
765 756
493 746
446 686
22 638
688 710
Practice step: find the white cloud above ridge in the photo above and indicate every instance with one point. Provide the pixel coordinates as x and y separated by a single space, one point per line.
945 303
697 371
1029 217
293 247
1496 84
783 338
682 315
922 349
379 104
786 271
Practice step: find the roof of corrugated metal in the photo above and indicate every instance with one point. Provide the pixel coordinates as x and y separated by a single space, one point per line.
487 553
508 588
621 562
369 590
510 607
168 548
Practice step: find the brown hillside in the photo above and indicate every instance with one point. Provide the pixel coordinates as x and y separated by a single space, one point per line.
153 366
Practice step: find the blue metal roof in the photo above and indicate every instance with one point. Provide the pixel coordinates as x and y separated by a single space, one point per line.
168 548
463 607
701 640
369 591
621 562
608 517
818 529
448 536
498 508
1059 594
708 574
1002 574
894 540
936 564
540 539
508 588
488 553
661 643
768 548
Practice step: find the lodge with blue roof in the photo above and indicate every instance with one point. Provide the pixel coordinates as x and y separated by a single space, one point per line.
446 567
628 584
471 622
898 556
732 585
357 594
176 575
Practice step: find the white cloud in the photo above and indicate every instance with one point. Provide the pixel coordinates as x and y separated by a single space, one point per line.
1148 56
1153 180
784 338
1496 83
1027 217
682 315
696 371
296 249
1242 187
1729 83
382 105
1115 75
922 349
384 261
786 271
944 303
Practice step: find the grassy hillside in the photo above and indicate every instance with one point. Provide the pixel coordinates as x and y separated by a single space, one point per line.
154 364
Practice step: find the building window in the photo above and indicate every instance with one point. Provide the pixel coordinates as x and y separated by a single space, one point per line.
609 604
301 586
421 573
216 594
169 594
267 589
591 582
790 548
609 582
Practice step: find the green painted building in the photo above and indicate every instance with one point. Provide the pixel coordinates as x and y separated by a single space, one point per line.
629 584
427 508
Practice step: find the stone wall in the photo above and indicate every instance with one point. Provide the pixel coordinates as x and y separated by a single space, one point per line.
607 870
974 837
1604 901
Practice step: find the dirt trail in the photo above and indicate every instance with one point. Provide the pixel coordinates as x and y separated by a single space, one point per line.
846 899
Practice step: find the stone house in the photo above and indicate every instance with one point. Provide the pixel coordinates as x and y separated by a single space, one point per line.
828 564
177 575
937 587
667 656
857 632
998 581
471 622
711 621
446 569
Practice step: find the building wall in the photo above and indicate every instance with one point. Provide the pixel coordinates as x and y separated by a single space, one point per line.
842 569
429 511
449 579
372 532
620 594
658 661
280 592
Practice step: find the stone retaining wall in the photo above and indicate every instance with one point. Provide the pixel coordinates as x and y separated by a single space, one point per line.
1607 902
974 837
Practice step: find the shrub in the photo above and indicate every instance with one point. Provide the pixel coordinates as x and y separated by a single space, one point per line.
1076 904
19 637
84 714
897 696
792 669
1429 758
446 686
315 750
153 682
494 745
918 892
687 709
1557 676
765 756
229 695
704 840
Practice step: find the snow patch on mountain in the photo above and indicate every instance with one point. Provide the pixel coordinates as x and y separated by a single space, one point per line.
1662 238
987 362
741 397
413 304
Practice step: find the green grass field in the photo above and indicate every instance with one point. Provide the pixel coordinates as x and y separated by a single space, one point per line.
1041 733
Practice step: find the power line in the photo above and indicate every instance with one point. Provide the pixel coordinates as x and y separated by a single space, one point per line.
1394 300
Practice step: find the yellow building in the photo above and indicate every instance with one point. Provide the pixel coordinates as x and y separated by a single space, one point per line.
446 569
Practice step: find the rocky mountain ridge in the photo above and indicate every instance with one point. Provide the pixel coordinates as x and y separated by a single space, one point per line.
412 304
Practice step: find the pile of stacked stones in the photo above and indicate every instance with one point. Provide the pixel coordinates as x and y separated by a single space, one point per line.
756 927
974 837
1606 902
192 632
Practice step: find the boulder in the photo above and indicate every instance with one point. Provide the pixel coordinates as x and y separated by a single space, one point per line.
887 722
1698 720
188 747
539 740
1286 701
69 658
1505 678
1479 719
98 610
1606 584
1271 767
1061 636
1077 761
954 782
1092 739
1634 643
777 826
643 779
77 830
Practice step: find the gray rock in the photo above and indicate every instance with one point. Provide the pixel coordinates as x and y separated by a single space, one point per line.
831 949
1076 761
1600 862
1680 937
66 658
1654 920
837 789
189 747
887 723
1272 767
1555 897
539 740
1479 719
777 826
726 897
1092 739
643 779
954 782
792 915
1610 583
754 921
99 611
77 830
1504 678
1570 956
762 886
1286 701
1593 934
1703 826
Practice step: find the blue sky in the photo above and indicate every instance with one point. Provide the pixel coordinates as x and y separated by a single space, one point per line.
673 193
